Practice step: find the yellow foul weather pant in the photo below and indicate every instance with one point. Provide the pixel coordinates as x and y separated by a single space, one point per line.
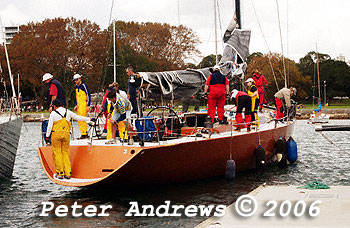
60 146
81 109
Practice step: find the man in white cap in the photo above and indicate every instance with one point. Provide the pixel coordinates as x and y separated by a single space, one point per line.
283 94
83 97
55 90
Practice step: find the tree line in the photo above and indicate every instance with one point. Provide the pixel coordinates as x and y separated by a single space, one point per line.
65 46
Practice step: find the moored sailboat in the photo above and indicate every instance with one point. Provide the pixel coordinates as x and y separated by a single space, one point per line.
193 150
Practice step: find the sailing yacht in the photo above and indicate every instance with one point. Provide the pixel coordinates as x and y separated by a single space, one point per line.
192 148
317 116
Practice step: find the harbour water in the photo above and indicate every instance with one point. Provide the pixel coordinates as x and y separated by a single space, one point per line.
321 157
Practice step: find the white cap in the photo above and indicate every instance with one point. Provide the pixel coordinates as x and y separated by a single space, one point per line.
249 80
234 93
216 67
47 76
76 76
294 91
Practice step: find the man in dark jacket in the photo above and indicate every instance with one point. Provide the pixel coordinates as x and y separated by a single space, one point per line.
55 90
134 83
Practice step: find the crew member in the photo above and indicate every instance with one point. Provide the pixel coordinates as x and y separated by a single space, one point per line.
59 125
134 83
259 83
242 100
218 86
83 97
283 94
108 107
55 90
122 111
253 93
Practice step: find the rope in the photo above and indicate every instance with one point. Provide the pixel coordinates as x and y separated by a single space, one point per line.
266 44
284 64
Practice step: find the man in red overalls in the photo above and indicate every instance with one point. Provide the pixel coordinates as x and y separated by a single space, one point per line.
259 83
242 100
218 86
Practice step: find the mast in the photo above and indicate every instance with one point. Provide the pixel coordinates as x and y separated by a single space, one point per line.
216 35
238 13
114 55
318 76
8 64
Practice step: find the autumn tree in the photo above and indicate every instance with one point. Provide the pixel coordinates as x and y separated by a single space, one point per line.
168 45
275 74
59 46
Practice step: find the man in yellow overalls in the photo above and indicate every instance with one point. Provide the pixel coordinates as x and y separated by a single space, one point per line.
59 124
83 97
253 93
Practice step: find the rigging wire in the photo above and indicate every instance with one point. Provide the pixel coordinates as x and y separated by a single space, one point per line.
178 12
288 63
266 44
284 64
102 81
219 16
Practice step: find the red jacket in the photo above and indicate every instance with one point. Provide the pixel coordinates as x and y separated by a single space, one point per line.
259 79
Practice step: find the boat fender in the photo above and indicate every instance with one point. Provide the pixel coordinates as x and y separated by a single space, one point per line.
230 169
260 159
281 153
292 150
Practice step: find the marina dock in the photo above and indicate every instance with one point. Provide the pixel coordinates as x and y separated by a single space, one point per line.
334 209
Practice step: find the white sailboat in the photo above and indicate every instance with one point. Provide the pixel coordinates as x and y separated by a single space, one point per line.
10 125
317 116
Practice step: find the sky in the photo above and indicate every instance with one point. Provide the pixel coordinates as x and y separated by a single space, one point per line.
303 23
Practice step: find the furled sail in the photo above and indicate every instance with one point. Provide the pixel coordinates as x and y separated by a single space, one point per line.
186 83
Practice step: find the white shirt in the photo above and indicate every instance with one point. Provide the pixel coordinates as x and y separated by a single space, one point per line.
121 92
56 117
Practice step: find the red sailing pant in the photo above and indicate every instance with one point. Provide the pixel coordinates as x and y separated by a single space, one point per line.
261 97
244 101
279 107
216 100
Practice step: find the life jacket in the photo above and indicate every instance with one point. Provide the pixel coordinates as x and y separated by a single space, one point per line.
258 80
217 78
62 125
251 93
60 92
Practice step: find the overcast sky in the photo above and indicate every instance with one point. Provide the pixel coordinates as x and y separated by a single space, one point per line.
324 22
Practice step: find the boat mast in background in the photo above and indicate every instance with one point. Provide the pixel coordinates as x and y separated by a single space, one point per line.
9 67
318 76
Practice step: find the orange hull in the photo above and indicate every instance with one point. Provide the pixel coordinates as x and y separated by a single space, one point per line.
129 166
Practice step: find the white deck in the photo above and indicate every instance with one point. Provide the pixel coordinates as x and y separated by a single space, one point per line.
99 142
334 209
